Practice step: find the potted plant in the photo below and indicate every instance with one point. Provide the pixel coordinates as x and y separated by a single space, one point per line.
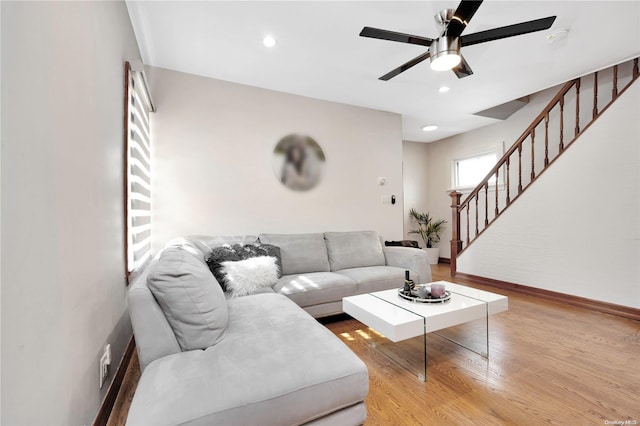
429 229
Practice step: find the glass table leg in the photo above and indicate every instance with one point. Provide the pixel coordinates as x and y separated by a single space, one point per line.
472 335
423 377
410 354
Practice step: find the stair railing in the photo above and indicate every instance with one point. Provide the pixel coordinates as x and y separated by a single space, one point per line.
559 124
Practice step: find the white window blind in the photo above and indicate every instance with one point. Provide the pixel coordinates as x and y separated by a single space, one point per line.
138 171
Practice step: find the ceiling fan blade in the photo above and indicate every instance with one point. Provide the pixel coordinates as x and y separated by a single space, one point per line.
463 69
463 14
508 31
395 36
402 68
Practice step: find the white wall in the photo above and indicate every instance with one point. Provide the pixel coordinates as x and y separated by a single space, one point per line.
577 229
416 178
63 287
212 173
440 155
0 233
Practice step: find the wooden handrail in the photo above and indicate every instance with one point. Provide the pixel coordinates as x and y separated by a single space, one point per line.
458 243
519 141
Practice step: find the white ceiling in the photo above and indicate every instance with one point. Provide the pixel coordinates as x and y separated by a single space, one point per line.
320 55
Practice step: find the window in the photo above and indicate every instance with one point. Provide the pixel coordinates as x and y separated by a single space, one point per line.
468 172
137 171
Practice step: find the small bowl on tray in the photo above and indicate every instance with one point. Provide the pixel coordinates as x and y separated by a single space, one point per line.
429 298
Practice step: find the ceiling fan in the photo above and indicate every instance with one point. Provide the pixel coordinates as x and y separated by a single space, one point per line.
444 51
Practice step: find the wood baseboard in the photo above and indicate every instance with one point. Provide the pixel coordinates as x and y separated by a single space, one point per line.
583 302
444 260
112 393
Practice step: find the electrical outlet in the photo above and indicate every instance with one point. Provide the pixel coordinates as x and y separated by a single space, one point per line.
105 361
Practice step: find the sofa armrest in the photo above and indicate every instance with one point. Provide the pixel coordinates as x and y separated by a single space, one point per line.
154 336
411 259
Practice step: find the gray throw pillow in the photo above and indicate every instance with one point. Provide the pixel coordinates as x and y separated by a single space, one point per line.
190 299
216 257
300 252
354 249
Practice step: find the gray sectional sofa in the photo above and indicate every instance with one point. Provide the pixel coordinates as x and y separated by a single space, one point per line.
320 269
208 359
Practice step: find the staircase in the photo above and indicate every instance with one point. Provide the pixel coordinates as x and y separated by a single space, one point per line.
569 114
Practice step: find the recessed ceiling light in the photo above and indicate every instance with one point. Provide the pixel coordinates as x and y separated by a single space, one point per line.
443 89
269 41
429 128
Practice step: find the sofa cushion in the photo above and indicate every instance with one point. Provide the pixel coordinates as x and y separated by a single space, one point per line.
410 259
190 298
315 288
300 252
354 249
376 278
275 366
246 276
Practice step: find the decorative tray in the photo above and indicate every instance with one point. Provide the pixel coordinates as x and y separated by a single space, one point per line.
413 297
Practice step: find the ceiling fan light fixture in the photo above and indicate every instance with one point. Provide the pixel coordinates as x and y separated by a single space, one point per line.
445 53
445 61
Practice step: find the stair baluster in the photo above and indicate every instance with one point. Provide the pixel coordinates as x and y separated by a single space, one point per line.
519 169
561 148
533 153
486 204
497 191
508 181
595 95
577 108
546 139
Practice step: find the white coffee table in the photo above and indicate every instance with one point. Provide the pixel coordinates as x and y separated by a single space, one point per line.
398 319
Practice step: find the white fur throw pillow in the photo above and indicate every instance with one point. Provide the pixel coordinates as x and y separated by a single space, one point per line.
246 276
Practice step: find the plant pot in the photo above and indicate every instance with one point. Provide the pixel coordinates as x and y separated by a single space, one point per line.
434 255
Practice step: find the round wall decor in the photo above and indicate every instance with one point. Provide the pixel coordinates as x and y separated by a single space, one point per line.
298 161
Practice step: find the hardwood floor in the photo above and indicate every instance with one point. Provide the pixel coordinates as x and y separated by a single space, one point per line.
549 363
125 396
